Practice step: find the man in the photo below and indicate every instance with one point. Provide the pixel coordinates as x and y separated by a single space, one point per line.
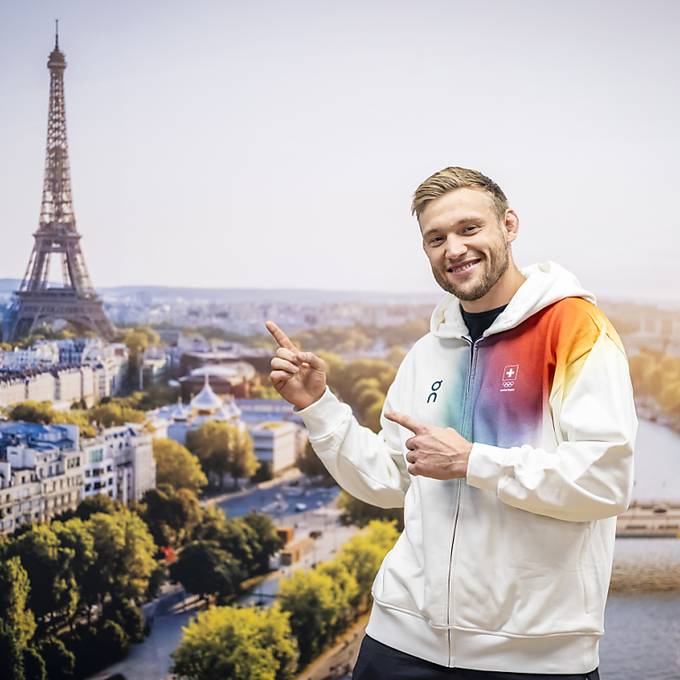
507 436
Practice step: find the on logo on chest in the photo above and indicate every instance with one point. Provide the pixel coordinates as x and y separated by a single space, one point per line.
432 397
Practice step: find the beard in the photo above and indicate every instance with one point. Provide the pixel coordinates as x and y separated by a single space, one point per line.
494 266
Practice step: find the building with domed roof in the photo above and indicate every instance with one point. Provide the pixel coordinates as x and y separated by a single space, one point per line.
276 443
175 420
235 379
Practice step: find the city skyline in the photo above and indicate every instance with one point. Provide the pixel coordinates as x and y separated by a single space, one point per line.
239 148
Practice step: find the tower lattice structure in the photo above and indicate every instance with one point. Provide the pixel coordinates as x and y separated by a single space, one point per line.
75 300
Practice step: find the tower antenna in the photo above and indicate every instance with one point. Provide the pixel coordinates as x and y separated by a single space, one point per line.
56 34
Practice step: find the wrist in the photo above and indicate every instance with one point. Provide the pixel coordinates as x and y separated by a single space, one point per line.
303 404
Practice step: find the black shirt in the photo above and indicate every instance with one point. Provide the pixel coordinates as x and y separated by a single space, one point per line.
478 322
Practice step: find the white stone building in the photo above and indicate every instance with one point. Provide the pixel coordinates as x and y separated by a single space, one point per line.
132 449
40 386
275 444
12 389
43 354
40 472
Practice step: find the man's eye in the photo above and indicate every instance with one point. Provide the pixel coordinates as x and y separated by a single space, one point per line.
470 227
437 239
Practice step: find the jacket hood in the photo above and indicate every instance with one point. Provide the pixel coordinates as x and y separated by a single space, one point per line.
546 282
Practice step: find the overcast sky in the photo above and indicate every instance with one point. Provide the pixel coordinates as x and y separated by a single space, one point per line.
277 144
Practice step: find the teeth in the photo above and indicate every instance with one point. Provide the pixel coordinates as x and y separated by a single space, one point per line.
463 268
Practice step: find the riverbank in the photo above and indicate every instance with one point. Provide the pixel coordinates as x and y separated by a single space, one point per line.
648 409
646 565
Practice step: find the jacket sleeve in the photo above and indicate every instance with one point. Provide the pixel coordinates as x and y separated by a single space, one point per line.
369 466
589 475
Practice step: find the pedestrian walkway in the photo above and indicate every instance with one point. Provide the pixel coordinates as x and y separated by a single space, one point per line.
338 661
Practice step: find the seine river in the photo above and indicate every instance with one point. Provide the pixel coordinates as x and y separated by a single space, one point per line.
642 631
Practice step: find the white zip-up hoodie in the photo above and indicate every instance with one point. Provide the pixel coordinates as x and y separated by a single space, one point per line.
506 569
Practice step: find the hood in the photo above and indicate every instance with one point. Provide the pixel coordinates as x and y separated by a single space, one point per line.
546 282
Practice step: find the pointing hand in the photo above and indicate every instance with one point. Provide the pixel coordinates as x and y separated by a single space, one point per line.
437 452
299 377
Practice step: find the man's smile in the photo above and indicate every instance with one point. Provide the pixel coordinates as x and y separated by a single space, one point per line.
464 267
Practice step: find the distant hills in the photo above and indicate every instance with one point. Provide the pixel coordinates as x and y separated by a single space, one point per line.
256 295
148 294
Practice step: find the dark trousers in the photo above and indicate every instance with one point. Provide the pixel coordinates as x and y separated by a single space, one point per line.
377 661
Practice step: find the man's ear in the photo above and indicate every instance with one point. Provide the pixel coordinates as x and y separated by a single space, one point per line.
511 225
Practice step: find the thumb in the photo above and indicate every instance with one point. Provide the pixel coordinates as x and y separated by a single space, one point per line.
313 360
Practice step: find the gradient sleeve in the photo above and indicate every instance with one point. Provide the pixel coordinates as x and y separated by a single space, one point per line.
589 475
369 466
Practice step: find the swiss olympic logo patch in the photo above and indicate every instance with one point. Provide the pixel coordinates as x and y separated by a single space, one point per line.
509 378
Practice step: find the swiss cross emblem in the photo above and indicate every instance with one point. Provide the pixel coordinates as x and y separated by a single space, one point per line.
509 377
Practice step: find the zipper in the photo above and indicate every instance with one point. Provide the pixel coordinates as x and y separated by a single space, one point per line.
466 412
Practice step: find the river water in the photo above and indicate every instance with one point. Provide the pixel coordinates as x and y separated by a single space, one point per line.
642 630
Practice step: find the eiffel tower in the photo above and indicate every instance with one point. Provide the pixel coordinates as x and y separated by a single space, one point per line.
76 301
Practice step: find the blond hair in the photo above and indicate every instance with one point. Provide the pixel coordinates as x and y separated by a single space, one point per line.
449 179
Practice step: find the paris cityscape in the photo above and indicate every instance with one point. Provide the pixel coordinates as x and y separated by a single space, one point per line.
163 514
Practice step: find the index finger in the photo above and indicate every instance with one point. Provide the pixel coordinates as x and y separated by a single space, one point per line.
407 422
280 336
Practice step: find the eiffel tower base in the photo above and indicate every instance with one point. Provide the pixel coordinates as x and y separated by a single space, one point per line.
31 309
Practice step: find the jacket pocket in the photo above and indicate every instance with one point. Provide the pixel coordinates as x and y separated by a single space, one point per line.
528 602
523 574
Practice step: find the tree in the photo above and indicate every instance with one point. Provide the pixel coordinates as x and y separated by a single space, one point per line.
211 526
124 552
357 512
79 418
226 642
99 502
137 339
267 539
112 642
11 653
177 466
239 540
34 666
264 390
14 592
371 416
128 615
345 592
205 569
363 554
74 536
54 592
347 380
311 600
33 412
170 514
112 414
310 464
59 661
222 448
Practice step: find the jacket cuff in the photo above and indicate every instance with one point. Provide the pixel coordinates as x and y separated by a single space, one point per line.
485 466
323 416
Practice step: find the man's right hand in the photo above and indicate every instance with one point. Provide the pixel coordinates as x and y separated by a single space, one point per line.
299 377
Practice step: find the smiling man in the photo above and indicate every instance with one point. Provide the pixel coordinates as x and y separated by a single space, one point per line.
507 436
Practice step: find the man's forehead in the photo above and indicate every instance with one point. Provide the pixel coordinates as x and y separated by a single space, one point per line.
456 205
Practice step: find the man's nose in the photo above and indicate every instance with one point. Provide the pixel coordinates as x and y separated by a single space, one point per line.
455 248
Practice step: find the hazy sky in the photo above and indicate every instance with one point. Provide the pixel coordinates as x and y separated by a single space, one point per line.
277 144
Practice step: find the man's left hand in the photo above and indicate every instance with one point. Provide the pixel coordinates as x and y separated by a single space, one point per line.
437 452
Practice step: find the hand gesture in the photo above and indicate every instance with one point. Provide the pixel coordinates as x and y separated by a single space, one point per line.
437 452
299 377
